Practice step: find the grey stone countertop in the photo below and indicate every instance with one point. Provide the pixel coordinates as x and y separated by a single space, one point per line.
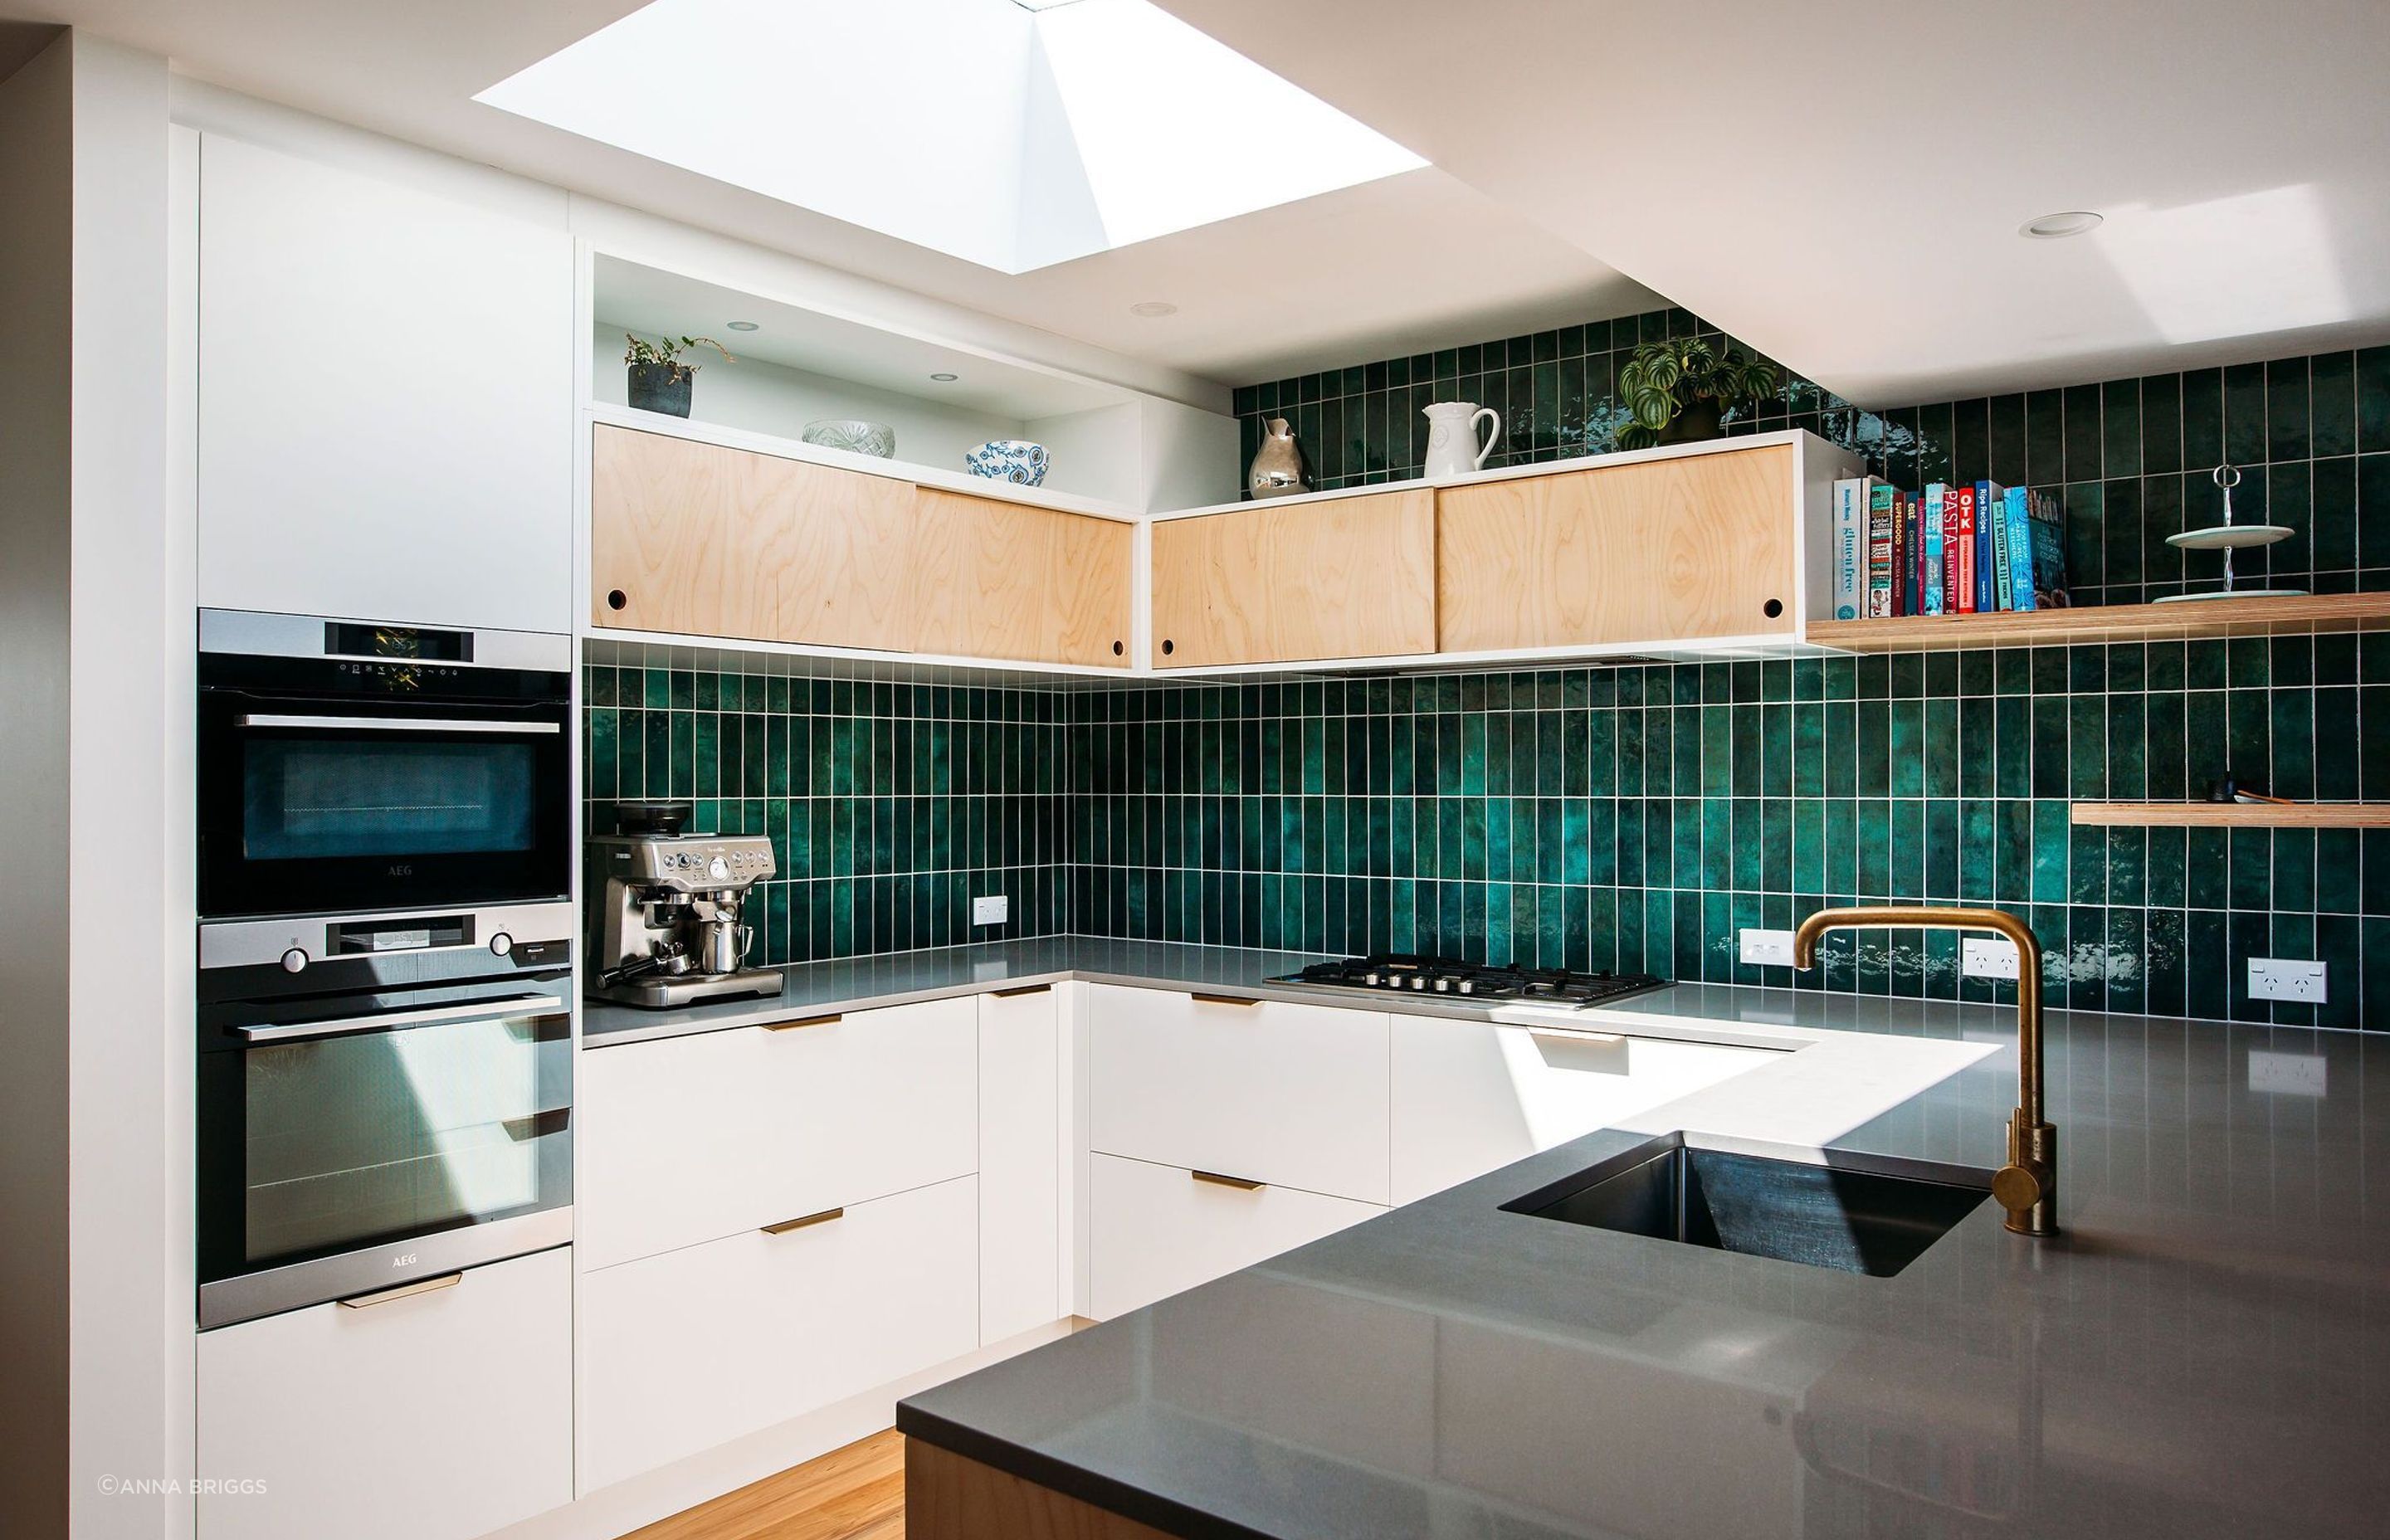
2204 1352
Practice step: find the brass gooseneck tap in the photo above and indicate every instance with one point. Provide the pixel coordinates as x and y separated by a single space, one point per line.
2028 1185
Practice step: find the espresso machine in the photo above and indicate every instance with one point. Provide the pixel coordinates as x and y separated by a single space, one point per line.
664 929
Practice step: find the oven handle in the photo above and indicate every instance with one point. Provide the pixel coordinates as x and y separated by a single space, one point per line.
514 1005
400 724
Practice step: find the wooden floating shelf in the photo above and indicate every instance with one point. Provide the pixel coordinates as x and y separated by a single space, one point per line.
2237 815
2110 623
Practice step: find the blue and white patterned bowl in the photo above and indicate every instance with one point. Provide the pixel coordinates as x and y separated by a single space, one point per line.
856 435
1014 460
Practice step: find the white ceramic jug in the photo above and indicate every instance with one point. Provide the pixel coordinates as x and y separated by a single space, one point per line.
1452 446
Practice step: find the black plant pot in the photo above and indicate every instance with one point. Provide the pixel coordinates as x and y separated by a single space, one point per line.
653 388
1694 422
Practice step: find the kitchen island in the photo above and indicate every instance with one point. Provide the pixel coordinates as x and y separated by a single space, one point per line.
2205 1351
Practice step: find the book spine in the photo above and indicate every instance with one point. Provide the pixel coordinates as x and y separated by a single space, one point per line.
1962 549
1900 558
1995 516
1849 549
2020 551
1936 538
1880 516
1987 521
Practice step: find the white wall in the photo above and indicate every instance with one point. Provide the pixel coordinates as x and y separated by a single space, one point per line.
124 1008
771 398
36 106
86 1014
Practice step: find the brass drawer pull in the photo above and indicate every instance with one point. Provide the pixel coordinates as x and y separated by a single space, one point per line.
1202 999
1025 989
402 1292
1242 1184
785 1225
831 1019
1574 1034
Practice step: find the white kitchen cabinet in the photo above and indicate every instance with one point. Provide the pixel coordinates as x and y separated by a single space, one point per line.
690 1349
1158 1230
1020 1163
440 1415
385 403
693 1138
1295 1096
1472 1096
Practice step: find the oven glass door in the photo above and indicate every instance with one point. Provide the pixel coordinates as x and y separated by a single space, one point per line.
325 1137
333 806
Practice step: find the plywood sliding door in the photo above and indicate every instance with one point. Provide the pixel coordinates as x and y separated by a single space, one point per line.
1349 577
994 579
695 538
1663 550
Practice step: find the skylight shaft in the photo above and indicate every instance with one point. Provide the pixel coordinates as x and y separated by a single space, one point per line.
1014 133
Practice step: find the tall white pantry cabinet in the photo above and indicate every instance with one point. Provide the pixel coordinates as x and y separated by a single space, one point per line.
386 398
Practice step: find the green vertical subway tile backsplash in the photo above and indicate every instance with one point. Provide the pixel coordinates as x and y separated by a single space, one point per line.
1644 813
890 805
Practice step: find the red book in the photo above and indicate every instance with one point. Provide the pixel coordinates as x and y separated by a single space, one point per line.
1964 562
1948 513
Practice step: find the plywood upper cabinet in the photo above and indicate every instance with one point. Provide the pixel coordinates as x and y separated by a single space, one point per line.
695 538
1704 545
1348 577
994 579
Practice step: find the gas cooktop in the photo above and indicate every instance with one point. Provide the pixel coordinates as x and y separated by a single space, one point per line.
1404 973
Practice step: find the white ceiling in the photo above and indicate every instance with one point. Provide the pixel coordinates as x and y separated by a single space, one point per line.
1840 182
1413 262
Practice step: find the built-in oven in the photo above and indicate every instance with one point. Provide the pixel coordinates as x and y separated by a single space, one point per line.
384 1101
352 767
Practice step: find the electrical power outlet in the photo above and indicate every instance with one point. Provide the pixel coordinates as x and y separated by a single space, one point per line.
994 909
2286 979
2289 1074
1988 958
1767 948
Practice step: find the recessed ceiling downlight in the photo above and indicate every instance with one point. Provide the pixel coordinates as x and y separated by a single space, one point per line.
945 379
1151 308
742 326
2056 226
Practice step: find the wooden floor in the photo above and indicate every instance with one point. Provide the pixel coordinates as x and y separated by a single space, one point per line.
856 1493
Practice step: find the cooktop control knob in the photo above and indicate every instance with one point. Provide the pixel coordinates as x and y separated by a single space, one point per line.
294 961
501 945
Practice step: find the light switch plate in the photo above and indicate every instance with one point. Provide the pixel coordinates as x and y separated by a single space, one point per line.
992 909
2290 1075
1767 948
1988 958
2286 979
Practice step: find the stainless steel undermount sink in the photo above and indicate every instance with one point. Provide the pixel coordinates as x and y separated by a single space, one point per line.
1873 1215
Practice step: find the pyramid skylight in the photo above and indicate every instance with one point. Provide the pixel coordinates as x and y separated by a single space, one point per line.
1014 133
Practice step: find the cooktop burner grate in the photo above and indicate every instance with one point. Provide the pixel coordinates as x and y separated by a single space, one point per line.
1403 972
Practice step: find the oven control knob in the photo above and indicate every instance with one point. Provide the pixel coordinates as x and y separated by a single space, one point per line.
294 961
501 945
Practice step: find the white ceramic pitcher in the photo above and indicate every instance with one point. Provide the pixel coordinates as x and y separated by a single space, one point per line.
1452 446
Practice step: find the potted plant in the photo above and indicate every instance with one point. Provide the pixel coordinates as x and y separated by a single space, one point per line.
1678 389
660 379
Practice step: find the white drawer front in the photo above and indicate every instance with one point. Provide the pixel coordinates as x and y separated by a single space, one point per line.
1020 1165
1154 1230
694 1138
698 1346
438 1415
1470 1098
1292 1095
